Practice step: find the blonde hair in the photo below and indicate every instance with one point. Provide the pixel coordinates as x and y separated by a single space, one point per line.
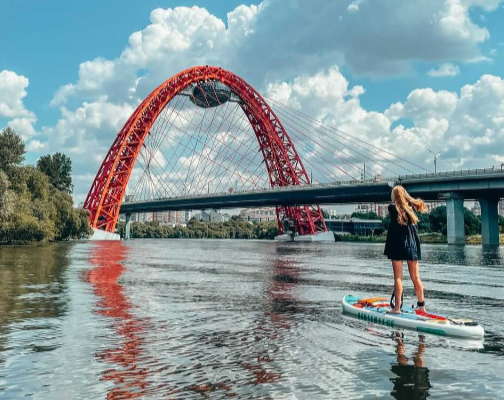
405 204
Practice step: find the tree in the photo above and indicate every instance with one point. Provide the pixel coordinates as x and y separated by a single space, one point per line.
365 215
12 148
437 219
472 224
58 167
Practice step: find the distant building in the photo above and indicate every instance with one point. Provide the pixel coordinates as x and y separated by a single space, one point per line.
208 216
355 226
476 208
382 210
379 209
364 208
259 214
501 208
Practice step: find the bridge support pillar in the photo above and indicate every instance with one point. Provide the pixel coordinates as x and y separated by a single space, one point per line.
489 220
455 218
127 228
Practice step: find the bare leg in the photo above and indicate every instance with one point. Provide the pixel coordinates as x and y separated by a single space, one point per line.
414 273
398 288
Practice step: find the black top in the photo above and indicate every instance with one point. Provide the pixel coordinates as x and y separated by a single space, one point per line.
402 242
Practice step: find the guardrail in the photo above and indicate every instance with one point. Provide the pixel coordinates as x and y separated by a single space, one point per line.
463 172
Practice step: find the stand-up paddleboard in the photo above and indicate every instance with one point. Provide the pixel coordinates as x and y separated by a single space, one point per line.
375 310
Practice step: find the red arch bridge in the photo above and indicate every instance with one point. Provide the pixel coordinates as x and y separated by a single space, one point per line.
205 138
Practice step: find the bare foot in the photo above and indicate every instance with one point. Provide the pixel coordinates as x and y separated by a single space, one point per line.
393 311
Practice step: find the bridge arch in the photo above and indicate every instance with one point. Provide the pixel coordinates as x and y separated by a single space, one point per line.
281 159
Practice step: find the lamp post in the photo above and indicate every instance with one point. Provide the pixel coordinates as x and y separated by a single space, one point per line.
435 158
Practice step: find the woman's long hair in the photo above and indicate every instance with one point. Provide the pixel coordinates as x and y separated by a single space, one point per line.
405 204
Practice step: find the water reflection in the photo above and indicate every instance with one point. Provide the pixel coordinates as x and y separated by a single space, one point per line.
129 377
32 284
490 255
412 378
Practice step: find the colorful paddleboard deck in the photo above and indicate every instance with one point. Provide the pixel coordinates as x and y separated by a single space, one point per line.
375 310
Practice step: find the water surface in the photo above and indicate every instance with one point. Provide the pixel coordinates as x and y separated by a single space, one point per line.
209 319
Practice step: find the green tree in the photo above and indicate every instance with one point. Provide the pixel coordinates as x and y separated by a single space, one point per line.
501 224
424 222
472 223
36 210
365 215
12 148
7 198
437 219
58 167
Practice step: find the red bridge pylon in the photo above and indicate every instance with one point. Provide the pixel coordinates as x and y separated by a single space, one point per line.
282 162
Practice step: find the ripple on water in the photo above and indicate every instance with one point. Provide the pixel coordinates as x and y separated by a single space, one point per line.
193 319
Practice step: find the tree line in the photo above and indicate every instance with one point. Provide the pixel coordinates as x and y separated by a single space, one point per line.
235 228
35 201
435 221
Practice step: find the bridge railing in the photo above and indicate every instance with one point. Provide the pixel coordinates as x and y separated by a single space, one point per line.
462 172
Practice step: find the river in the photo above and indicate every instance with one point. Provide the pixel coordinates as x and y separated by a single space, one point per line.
219 319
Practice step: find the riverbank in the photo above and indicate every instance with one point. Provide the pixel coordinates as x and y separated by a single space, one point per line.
424 237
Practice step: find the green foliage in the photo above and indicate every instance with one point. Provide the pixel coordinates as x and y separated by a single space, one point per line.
58 168
438 220
235 228
365 215
33 210
501 224
424 222
12 148
472 223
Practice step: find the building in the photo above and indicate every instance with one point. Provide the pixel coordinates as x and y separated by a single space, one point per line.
501 208
364 208
382 210
355 226
209 216
379 209
476 208
259 214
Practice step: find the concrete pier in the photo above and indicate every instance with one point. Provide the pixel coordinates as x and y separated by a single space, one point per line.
455 216
127 228
489 220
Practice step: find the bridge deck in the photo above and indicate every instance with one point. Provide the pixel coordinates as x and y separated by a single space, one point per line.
471 184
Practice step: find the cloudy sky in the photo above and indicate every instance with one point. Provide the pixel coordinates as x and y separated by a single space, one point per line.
407 75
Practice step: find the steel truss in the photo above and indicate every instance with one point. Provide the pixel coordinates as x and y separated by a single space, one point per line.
281 158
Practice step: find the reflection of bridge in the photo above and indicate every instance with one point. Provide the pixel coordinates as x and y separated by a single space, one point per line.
206 139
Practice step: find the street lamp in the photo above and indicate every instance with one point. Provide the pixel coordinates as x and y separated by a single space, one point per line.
435 158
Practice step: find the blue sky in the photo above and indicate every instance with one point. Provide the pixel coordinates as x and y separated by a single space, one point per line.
387 52
49 39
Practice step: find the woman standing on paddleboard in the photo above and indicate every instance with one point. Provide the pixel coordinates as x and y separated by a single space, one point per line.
403 244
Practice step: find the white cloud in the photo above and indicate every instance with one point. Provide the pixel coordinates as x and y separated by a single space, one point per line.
445 70
353 7
35 146
468 126
282 52
265 43
12 91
